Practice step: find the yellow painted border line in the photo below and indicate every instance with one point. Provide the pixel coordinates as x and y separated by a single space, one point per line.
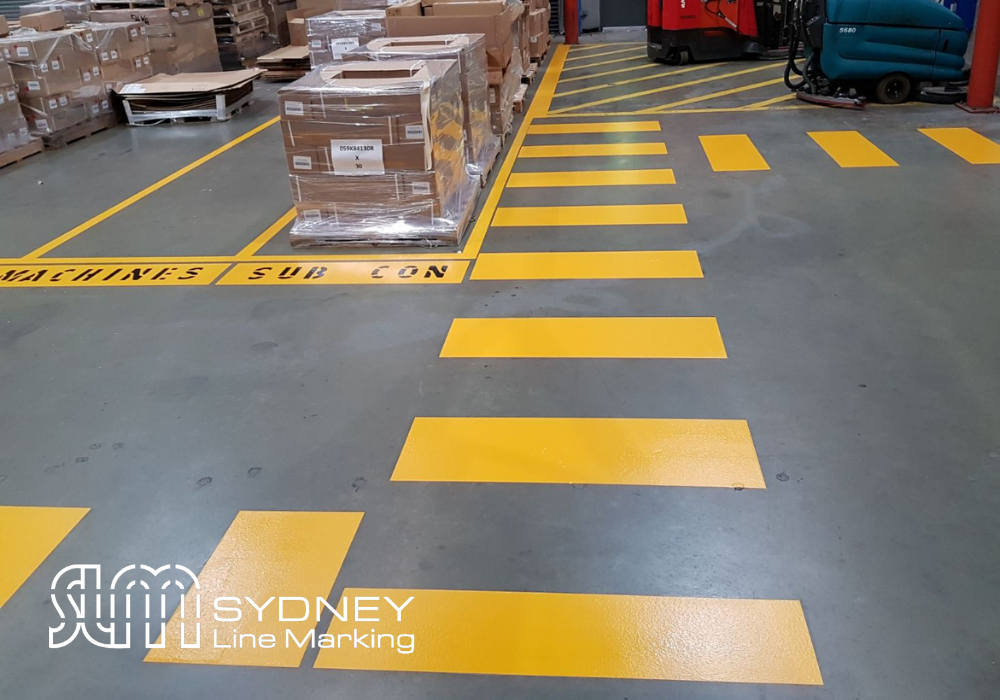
714 95
606 73
632 81
28 535
269 233
592 215
590 265
594 128
616 52
606 63
111 211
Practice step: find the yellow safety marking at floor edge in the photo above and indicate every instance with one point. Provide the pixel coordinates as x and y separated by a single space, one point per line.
852 150
270 232
29 534
611 337
263 554
594 215
631 49
723 640
584 150
596 265
600 451
607 63
768 102
594 128
371 272
111 211
730 153
700 110
631 69
111 275
665 88
966 144
582 48
714 95
632 81
593 178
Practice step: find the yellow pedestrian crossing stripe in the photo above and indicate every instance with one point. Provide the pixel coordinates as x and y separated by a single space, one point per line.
592 178
589 636
967 144
606 215
852 150
625 451
611 264
28 535
594 150
618 337
732 153
594 128
264 554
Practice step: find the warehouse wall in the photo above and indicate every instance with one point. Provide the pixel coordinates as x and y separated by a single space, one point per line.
623 13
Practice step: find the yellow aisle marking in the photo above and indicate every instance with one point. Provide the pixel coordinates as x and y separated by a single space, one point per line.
612 337
630 49
852 150
593 178
624 451
605 73
584 48
269 233
112 274
589 636
771 101
594 128
606 215
263 554
702 98
606 63
599 265
654 91
27 536
581 150
732 153
967 144
107 213
630 81
362 272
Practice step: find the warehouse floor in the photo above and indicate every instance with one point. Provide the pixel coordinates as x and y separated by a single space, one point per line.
177 380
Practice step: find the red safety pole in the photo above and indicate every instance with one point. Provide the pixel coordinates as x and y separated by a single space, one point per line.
985 58
571 19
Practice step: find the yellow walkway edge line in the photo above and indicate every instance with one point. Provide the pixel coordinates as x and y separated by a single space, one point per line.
28 535
590 265
594 128
721 93
111 211
608 451
270 232
722 640
574 59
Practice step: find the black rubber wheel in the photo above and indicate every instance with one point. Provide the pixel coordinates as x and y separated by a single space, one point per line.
677 57
893 89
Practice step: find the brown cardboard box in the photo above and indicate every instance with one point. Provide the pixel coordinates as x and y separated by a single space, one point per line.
536 23
407 8
4 29
297 25
497 28
44 21
181 39
332 34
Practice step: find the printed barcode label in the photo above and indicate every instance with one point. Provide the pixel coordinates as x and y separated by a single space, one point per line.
53 104
295 109
44 67
341 46
302 162
357 157
55 64
34 85
316 44
421 188
104 55
415 132
86 77
63 100
312 215
22 52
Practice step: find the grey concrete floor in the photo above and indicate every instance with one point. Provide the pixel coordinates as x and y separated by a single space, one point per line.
858 308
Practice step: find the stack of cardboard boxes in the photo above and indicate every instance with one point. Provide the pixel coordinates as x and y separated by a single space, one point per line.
122 52
333 34
376 154
13 127
242 31
539 38
73 11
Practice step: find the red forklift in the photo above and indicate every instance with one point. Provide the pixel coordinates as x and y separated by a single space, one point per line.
680 31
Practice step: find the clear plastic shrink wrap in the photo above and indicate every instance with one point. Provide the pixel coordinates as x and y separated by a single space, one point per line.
481 144
333 34
58 78
376 153
122 50
13 127
502 98
73 10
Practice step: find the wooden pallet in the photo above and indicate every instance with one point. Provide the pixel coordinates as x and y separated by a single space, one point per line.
519 95
545 54
233 28
16 155
236 9
65 137
484 176
530 74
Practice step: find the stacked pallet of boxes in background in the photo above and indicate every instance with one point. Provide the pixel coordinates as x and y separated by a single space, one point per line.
15 141
481 144
74 11
122 52
333 34
539 38
376 154
242 31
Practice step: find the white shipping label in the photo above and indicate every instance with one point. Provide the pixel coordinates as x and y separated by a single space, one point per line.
105 104
41 124
114 55
133 89
34 85
1 99
53 104
145 60
104 55
377 26
89 38
185 13
134 32
44 67
312 215
138 62
11 95
22 52
357 157
316 44
421 188
294 109
415 132
55 64
96 71
341 46
302 162
493 97
63 100
94 108
86 77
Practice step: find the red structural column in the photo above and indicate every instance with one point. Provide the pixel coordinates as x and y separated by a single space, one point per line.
571 19
985 56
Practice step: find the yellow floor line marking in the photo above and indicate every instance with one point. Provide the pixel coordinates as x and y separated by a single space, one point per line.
583 48
28 535
605 264
852 150
594 128
144 274
604 451
612 337
305 271
771 101
732 153
631 49
606 73
607 63
631 81
263 554
654 91
108 213
593 178
593 215
723 640
581 150
967 144
714 95
269 233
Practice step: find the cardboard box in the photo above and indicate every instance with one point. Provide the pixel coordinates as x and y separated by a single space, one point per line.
4 28
44 21
73 10
180 39
332 34
407 8
497 28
